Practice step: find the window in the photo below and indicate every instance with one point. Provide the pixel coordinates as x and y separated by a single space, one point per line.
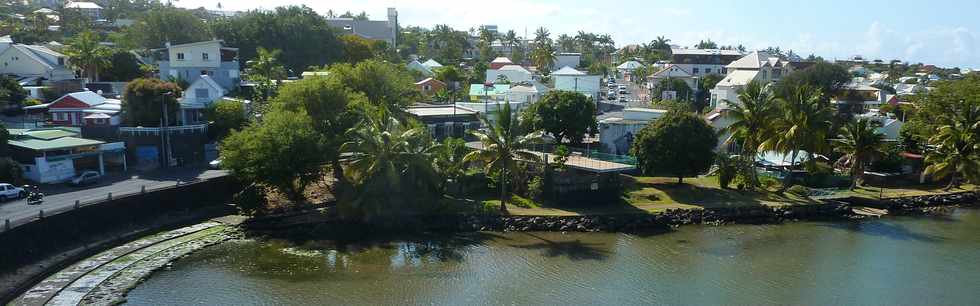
765 74
61 61
203 72
204 56
696 70
707 70
201 93
724 70
180 56
777 73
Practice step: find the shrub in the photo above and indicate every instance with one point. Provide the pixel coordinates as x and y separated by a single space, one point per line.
799 190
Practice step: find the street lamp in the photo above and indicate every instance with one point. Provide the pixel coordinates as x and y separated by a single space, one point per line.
164 123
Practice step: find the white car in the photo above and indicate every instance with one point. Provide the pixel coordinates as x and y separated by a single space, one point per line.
87 177
8 191
215 164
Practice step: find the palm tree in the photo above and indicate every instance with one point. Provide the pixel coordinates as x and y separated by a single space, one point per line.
543 56
957 149
265 69
750 120
860 143
802 125
389 161
87 54
510 40
503 145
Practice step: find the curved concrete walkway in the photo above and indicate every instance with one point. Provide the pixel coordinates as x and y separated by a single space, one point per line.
103 278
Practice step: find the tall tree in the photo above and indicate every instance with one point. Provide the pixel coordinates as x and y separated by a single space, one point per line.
87 54
957 149
706 44
356 49
543 56
167 24
11 93
563 114
750 120
680 144
860 143
298 29
385 85
390 165
142 100
266 71
803 124
503 145
281 151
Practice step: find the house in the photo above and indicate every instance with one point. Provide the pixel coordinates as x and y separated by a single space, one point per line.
312 74
197 97
886 125
383 30
190 61
430 86
627 68
52 155
89 9
527 93
568 59
858 96
446 120
499 62
432 64
494 92
670 71
569 79
618 129
756 66
73 109
701 62
34 61
419 67
508 74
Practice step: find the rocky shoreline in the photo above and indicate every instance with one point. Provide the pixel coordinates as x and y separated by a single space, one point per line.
831 210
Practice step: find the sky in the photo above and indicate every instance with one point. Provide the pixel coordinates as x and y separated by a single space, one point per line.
939 32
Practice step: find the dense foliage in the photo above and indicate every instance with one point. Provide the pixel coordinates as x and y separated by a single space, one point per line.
298 29
142 100
563 114
680 144
166 24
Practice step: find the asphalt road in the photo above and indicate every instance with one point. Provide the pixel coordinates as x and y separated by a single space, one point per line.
59 198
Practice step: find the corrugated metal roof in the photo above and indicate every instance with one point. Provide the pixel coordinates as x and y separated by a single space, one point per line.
55 144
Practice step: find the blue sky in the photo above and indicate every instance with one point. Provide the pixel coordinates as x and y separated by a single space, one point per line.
941 32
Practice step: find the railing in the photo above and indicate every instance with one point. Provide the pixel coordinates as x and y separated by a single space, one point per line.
194 128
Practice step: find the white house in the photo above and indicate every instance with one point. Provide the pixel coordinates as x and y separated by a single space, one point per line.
670 71
527 93
192 60
199 96
90 9
570 79
510 73
432 64
617 130
26 61
701 62
757 66
628 67
421 68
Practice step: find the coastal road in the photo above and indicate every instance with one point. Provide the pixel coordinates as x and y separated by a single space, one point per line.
60 197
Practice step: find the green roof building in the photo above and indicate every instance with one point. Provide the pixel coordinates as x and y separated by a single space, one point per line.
51 155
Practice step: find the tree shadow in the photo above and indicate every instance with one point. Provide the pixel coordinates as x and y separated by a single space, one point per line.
574 250
884 229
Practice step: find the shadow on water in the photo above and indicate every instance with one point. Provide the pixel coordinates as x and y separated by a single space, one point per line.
884 229
574 250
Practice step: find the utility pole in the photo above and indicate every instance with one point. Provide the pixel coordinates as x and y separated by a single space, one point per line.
164 123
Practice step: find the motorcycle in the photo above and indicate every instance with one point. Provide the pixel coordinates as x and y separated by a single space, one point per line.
35 197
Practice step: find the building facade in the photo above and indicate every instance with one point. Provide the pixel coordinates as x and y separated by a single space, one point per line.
383 30
190 61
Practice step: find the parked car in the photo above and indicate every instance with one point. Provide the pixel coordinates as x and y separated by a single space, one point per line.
622 86
623 99
623 91
8 191
215 164
87 177
612 97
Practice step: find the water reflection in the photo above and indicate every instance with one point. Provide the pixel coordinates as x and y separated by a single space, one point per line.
572 249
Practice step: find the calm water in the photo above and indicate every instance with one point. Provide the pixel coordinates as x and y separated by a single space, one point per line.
896 261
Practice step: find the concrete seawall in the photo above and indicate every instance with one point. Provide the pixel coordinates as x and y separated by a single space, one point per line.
34 250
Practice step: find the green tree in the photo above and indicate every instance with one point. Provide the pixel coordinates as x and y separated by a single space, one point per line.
563 114
750 120
706 44
957 149
449 158
356 49
671 84
390 165
266 71
384 85
680 144
225 116
705 85
298 29
543 56
142 100
282 151
861 144
123 67
826 77
86 53
503 145
167 24
803 124
11 93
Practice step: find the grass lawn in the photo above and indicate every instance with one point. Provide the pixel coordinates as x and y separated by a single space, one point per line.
653 195
885 192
